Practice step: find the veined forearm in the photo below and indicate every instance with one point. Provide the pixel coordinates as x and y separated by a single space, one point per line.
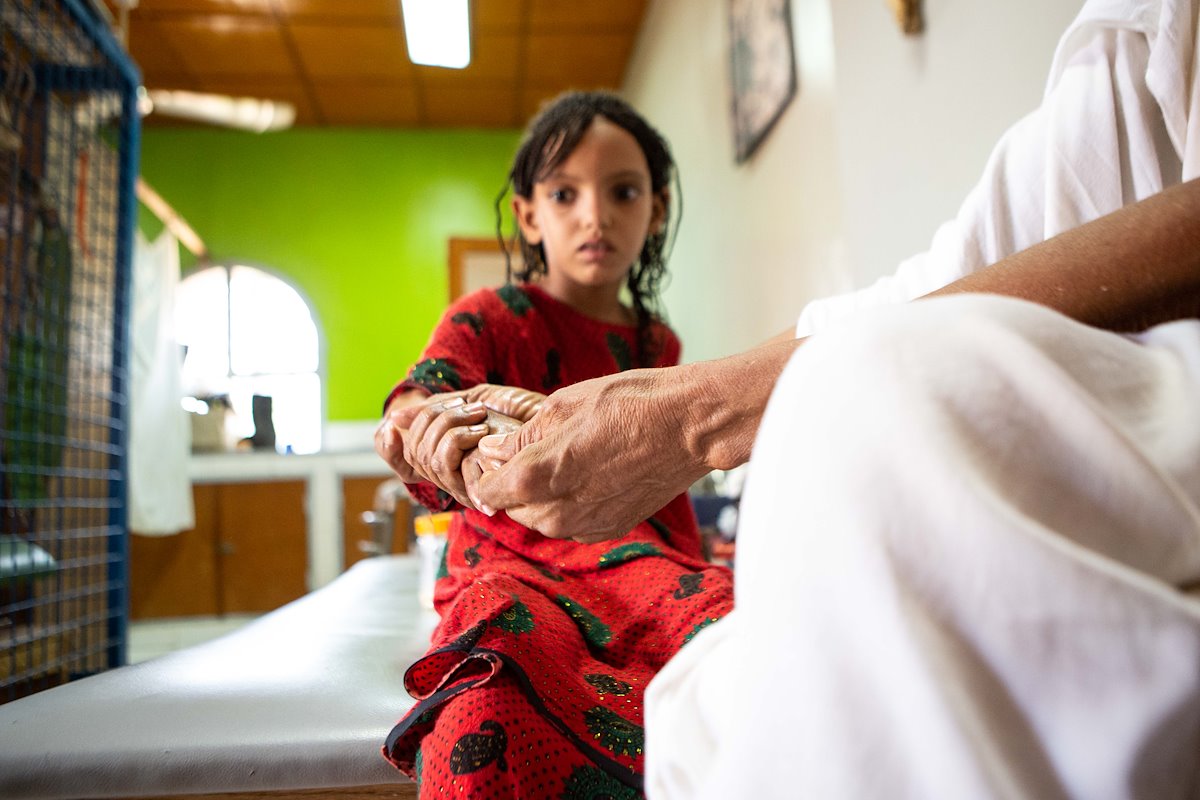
1125 271
724 400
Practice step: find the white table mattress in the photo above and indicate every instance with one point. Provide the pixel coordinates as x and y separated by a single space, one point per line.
300 698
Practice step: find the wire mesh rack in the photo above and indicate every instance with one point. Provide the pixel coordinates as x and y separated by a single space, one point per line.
68 151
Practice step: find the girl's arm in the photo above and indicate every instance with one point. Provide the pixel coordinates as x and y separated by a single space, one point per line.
460 353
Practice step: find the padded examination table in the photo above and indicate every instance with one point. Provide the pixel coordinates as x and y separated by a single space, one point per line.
301 698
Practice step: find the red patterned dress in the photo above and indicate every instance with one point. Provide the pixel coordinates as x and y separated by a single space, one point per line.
533 685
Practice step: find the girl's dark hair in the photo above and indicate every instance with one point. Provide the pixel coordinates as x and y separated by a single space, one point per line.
550 138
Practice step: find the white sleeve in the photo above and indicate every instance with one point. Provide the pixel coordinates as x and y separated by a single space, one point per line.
1097 142
981 233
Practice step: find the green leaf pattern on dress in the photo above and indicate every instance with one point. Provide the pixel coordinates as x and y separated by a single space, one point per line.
594 630
517 618
616 733
628 552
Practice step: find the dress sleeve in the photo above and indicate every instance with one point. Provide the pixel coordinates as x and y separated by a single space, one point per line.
671 348
459 355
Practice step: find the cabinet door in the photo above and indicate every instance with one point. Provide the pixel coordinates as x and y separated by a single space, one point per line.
176 576
262 545
358 496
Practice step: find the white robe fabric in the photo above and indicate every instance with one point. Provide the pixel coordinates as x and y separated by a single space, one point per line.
970 524
961 571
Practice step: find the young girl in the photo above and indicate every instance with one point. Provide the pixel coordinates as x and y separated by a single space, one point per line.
533 685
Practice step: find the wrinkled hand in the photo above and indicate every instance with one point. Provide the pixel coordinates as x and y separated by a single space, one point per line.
428 438
598 458
389 442
511 401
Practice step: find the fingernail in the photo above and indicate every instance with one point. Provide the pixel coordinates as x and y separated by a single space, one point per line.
389 437
473 407
486 509
453 402
493 439
478 428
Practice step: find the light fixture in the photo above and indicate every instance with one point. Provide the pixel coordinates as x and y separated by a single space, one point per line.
438 32
247 113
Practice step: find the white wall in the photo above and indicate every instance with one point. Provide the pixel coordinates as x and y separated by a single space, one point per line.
885 137
918 116
728 290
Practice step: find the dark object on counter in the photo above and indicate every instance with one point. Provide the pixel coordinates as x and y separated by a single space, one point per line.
264 425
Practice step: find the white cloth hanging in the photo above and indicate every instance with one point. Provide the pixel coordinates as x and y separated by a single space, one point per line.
160 491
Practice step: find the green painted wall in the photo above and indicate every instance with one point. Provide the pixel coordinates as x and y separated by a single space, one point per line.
356 220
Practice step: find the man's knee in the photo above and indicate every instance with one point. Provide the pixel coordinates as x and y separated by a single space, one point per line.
927 346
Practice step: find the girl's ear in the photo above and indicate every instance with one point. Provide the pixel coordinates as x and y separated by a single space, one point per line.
526 219
658 212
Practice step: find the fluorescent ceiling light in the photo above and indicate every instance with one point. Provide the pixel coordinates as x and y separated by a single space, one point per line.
438 31
248 113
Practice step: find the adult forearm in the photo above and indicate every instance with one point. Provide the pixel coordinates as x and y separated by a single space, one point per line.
1125 271
603 455
724 400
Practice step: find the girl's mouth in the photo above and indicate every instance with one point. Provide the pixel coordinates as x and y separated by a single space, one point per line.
595 249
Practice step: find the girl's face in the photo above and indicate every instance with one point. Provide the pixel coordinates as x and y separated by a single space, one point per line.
593 213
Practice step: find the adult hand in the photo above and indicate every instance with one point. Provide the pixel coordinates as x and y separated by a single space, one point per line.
389 441
603 455
597 459
443 436
426 438
511 401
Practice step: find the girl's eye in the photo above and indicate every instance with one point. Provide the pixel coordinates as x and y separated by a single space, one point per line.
627 193
561 195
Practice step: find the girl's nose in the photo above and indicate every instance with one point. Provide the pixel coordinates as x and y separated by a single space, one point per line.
597 212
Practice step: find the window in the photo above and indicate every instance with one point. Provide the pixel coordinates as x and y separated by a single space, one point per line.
247 332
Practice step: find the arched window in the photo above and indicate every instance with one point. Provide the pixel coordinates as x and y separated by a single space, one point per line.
247 332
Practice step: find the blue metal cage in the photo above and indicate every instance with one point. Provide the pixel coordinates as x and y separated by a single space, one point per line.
68 162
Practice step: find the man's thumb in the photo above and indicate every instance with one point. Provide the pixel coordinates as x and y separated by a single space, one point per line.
499 446
503 446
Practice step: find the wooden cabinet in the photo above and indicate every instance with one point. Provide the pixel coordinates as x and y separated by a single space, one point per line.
248 553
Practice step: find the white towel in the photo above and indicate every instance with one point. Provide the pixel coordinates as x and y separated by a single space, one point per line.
160 491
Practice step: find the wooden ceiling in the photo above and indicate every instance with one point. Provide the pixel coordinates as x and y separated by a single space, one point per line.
344 62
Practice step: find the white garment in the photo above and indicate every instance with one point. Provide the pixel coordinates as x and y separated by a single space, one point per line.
964 533
967 521
1119 122
160 439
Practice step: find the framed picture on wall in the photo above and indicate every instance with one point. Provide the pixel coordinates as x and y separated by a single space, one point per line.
477 264
763 69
